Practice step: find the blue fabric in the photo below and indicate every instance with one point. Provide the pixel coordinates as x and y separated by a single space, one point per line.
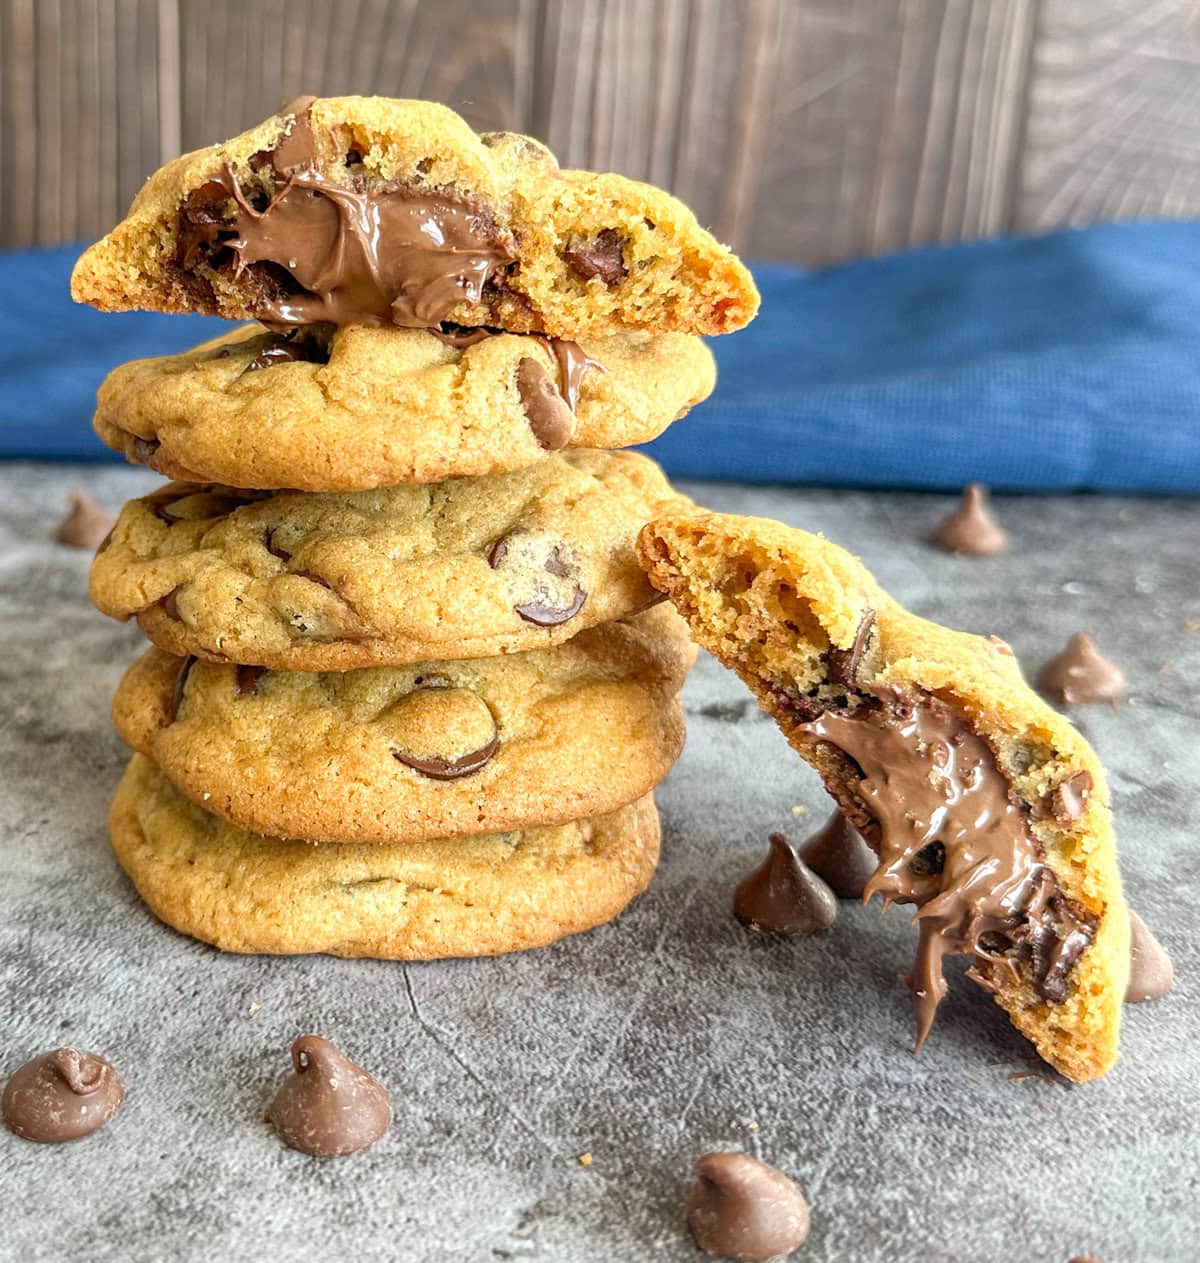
1063 362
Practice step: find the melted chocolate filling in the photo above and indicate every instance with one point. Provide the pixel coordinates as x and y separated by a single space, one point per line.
364 252
952 838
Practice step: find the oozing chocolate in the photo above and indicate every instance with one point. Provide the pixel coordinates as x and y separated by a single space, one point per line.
363 252
929 795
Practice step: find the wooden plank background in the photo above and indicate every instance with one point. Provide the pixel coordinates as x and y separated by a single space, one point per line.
816 130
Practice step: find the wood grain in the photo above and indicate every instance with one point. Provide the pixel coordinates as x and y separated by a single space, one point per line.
1113 126
816 130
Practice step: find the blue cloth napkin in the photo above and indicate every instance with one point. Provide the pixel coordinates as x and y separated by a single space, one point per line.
1064 362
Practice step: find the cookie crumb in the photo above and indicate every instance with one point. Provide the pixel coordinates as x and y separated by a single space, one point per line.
255 1006
585 1159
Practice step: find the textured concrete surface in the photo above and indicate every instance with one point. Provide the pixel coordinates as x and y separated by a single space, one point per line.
645 1043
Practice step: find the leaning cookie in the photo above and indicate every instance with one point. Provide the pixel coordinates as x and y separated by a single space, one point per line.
368 210
986 808
477 896
351 409
471 568
432 750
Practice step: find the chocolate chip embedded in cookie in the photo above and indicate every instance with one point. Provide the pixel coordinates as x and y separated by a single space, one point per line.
358 408
466 896
476 568
945 760
355 210
443 749
63 1095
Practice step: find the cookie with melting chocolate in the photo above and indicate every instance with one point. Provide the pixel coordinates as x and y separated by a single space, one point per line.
368 210
430 750
327 582
473 896
350 409
984 807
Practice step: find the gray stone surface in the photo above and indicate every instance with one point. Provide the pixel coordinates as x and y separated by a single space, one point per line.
668 1033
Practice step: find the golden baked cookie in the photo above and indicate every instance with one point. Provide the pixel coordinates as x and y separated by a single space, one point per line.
478 896
326 582
431 750
986 808
368 210
362 407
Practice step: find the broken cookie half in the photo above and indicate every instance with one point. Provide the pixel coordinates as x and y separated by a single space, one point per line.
986 809
368 210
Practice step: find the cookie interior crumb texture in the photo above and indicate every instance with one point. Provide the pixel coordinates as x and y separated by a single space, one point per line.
821 645
264 225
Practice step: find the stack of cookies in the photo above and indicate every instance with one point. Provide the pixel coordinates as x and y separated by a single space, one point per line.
410 692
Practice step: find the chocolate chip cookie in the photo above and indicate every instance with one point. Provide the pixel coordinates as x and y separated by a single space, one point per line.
476 896
367 210
431 750
470 568
985 807
362 407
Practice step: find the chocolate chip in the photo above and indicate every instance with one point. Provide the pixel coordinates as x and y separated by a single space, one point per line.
542 615
62 1095
420 721
545 607
248 680
181 679
838 854
329 1106
1081 674
440 769
287 348
1151 974
1069 798
843 664
170 604
603 257
143 451
740 1208
971 530
497 554
551 421
929 861
86 526
273 548
783 896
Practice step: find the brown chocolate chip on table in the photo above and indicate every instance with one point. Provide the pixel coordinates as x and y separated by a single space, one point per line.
783 896
741 1208
1151 974
838 854
63 1095
971 530
87 525
1081 674
328 1107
